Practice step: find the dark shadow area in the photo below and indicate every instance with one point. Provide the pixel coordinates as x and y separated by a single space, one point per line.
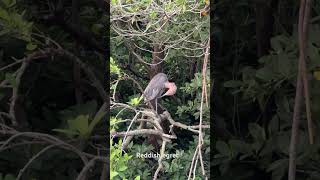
255 71
53 95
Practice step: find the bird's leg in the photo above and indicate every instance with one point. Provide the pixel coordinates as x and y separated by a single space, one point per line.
157 105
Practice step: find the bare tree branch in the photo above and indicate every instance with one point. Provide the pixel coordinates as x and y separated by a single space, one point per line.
303 23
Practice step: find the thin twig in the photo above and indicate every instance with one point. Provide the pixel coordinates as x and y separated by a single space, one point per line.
303 15
160 166
198 152
82 174
304 73
33 158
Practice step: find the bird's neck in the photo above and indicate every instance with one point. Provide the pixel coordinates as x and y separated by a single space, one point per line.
171 88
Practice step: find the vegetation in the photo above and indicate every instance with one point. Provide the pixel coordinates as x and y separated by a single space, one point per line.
256 69
52 95
148 37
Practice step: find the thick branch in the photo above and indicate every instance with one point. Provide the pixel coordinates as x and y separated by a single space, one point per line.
143 132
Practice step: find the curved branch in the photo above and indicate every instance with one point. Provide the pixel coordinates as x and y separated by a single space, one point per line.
33 158
84 170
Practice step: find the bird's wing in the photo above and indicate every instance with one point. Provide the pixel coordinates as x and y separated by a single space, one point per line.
155 87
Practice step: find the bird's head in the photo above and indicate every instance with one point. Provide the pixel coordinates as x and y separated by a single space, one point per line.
172 88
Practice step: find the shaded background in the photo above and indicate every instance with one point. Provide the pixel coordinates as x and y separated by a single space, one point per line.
255 73
52 73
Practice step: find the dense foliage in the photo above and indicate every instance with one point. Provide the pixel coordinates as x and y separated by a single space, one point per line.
257 83
148 37
52 99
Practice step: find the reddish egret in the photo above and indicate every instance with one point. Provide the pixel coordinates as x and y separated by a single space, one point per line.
157 86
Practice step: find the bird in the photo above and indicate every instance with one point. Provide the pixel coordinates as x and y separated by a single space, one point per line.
156 87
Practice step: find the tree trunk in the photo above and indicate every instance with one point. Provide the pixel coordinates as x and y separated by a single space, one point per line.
264 25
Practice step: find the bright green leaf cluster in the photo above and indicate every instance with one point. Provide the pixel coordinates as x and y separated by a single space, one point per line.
118 160
80 120
114 67
13 23
113 123
135 101
193 106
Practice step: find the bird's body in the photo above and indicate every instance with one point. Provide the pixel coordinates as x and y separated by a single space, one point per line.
155 89
157 86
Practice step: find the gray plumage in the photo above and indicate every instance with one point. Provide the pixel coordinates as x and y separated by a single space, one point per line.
155 87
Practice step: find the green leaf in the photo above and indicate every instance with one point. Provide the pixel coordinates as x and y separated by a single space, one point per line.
316 75
122 167
31 46
278 164
285 65
113 174
278 43
313 34
113 67
240 146
180 2
113 121
265 74
66 131
96 28
274 125
257 132
4 32
4 14
9 3
11 78
153 15
9 177
283 142
166 164
135 101
313 52
113 2
88 108
247 73
80 124
223 148
96 120
268 148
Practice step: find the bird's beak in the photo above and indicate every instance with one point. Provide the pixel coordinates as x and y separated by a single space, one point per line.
172 88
